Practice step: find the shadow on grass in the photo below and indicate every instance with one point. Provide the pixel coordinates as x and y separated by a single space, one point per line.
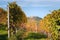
3 37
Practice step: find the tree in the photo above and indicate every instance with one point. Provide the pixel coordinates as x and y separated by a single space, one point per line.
3 19
3 16
51 24
16 16
31 25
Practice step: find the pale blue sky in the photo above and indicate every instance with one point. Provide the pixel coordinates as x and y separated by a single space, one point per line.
38 8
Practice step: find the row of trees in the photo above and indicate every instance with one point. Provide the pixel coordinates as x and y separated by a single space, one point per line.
50 24
17 18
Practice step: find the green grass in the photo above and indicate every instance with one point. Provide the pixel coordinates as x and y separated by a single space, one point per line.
3 35
3 32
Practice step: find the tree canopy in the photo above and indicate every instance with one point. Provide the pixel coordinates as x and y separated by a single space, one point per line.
17 16
51 23
3 16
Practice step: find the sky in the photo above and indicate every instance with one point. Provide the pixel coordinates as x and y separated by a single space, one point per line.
38 8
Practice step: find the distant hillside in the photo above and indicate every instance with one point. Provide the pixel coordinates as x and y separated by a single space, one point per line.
34 18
